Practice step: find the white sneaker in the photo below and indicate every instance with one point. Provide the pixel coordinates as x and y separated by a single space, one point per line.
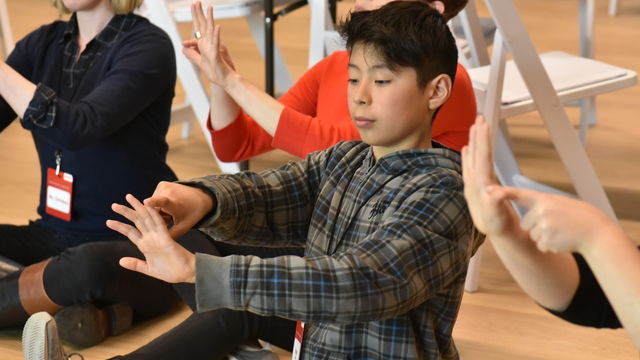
40 340
245 352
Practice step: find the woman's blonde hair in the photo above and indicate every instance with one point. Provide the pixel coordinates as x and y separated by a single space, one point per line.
119 6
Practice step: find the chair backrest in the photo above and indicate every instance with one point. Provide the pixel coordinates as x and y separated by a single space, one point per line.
512 36
323 38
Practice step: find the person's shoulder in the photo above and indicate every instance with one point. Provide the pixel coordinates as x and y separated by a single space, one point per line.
437 167
47 31
341 154
139 32
139 25
337 59
348 148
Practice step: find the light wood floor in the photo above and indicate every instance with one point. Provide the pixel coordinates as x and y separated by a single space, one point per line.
497 322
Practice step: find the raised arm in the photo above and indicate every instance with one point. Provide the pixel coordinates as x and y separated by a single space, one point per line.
559 224
415 254
135 78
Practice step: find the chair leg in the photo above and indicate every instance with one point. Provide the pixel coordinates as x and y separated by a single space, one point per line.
587 118
473 272
613 7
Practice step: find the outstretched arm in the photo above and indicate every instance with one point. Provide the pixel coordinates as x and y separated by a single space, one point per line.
559 224
164 258
230 90
550 279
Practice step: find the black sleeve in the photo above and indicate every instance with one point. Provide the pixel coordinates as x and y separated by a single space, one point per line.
589 306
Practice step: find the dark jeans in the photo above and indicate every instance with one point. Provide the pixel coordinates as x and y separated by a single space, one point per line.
85 269
214 334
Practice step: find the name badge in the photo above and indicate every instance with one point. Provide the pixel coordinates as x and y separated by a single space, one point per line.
297 341
59 191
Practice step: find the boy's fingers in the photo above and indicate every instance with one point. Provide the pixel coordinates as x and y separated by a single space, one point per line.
141 219
127 230
178 230
125 211
134 264
161 202
158 221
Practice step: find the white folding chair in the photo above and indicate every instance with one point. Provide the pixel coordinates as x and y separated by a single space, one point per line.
323 37
5 29
613 7
166 13
532 82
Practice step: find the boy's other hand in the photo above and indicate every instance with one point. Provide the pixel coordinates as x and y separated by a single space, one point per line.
165 259
185 205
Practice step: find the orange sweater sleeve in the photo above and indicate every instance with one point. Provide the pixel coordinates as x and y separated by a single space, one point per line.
295 134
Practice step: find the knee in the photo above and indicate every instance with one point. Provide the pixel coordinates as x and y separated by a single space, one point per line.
91 265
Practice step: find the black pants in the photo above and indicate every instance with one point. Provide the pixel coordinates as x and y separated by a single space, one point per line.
213 334
85 269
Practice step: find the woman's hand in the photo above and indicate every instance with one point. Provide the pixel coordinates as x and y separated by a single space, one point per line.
207 51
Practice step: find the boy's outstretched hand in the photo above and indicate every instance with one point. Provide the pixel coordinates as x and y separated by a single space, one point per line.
165 259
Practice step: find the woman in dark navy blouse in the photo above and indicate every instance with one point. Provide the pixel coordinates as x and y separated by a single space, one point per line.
95 92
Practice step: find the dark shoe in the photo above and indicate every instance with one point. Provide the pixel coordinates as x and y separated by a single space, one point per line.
8 266
85 325
40 339
245 352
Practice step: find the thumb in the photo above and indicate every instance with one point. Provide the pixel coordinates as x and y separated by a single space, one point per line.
157 202
177 230
192 55
134 264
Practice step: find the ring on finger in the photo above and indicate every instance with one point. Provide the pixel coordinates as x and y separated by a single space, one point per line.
197 35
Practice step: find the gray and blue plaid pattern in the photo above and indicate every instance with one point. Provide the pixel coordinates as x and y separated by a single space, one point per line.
387 247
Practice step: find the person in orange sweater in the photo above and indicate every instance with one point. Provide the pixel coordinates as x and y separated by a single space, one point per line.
244 121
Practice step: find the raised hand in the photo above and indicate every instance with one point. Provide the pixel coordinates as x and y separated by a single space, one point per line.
185 205
207 52
164 258
492 215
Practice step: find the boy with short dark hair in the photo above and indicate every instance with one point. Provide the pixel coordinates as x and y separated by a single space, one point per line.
385 226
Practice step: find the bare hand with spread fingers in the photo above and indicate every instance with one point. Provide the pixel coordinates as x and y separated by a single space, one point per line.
164 258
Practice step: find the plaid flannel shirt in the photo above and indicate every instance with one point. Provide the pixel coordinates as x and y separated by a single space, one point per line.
387 244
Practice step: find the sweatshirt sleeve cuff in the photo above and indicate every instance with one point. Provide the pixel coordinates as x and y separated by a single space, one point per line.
212 282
